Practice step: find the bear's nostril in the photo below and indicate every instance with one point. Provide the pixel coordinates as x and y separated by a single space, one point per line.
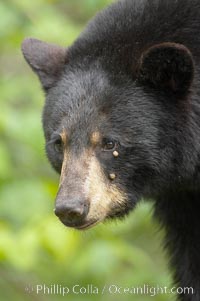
71 212
63 210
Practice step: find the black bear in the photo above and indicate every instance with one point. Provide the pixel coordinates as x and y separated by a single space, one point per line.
122 121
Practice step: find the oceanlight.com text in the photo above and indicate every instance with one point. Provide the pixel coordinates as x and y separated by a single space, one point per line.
110 289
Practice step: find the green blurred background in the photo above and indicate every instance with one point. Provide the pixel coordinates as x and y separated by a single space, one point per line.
34 247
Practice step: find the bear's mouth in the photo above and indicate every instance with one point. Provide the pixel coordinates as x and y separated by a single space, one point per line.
88 225
81 226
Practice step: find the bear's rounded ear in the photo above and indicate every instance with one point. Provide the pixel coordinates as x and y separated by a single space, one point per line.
47 60
167 66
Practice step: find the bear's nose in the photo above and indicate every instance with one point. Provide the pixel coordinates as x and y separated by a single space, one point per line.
71 213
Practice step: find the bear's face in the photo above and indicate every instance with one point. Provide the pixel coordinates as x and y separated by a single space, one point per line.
103 139
109 136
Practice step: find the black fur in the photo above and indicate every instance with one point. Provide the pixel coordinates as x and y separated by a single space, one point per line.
133 74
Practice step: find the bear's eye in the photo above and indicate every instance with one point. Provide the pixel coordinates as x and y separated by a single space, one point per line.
108 145
58 145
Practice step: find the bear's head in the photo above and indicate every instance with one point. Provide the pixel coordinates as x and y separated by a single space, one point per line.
113 135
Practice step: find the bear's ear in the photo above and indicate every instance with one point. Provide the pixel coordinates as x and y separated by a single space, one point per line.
46 60
167 66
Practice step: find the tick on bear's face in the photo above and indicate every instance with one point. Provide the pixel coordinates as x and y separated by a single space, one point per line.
110 135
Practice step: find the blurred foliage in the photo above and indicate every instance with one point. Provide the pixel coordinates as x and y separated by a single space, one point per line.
34 247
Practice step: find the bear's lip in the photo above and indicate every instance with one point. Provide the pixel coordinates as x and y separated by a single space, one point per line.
87 225
84 225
